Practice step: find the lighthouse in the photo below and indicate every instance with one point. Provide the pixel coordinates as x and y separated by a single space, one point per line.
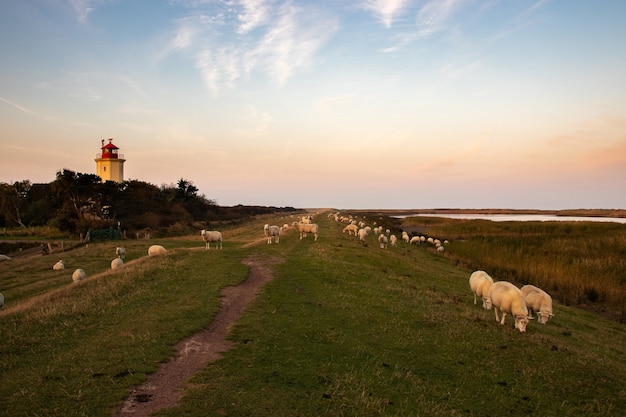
110 163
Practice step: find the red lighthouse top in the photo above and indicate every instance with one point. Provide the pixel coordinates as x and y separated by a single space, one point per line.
109 150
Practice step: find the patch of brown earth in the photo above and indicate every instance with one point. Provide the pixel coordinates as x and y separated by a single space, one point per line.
164 388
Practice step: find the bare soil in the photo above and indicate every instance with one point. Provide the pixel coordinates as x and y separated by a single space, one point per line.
165 387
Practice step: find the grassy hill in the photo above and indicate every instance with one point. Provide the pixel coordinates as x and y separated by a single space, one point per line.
342 330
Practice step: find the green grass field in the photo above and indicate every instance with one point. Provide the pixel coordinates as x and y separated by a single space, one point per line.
342 330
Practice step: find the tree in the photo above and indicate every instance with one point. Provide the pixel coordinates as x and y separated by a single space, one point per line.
13 199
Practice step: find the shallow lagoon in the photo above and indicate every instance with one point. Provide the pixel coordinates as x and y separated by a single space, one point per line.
519 217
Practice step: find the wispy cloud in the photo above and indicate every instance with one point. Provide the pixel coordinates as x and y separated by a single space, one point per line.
385 10
434 15
254 14
17 106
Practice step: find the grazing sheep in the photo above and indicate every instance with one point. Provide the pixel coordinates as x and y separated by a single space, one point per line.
479 283
212 236
120 252
116 263
509 299
363 234
59 265
393 240
78 275
1 300
304 228
272 231
415 239
440 248
4 258
382 241
351 229
156 250
539 301
405 237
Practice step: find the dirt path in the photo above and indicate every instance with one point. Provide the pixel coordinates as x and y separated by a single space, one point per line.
164 388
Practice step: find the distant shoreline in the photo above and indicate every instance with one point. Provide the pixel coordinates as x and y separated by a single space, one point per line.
611 213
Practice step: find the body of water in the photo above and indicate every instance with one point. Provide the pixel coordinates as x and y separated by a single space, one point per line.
521 217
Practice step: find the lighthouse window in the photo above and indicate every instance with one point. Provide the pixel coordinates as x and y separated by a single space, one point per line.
104 169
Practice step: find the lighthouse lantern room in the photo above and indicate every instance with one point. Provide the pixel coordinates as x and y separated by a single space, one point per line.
110 163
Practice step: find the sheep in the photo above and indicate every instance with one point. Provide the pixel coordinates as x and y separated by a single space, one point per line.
382 241
539 301
120 252
116 263
440 248
393 240
59 265
272 231
415 239
156 250
211 236
351 229
479 283
507 298
1 300
363 234
304 228
405 237
78 275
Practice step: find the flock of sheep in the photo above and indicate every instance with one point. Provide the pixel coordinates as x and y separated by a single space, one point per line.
505 297
304 226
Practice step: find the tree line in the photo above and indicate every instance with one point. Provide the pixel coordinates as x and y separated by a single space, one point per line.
76 202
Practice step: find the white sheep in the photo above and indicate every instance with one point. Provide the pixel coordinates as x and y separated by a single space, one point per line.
440 248
509 299
382 241
120 252
156 250
272 232
479 283
116 263
363 234
59 265
393 240
415 239
304 228
351 229
405 237
78 275
211 236
539 301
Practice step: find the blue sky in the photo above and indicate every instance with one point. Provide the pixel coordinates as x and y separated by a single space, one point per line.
343 104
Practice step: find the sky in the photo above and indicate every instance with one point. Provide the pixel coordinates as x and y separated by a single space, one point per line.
361 104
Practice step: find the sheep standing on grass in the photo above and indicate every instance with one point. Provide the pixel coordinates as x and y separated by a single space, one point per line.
212 236
393 240
120 252
509 299
272 232
78 275
405 237
116 263
382 241
363 234
415 239
156 250
539 301
352 229
59 265
304 228
479 283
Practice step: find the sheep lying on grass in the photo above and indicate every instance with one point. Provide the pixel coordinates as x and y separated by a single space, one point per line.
509 299
78 275
59 265
304 228
539 301
479 283
120 252
156 250
212 236
272 232
116 263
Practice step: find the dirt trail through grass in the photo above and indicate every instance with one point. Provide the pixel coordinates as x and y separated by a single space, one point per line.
164 388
